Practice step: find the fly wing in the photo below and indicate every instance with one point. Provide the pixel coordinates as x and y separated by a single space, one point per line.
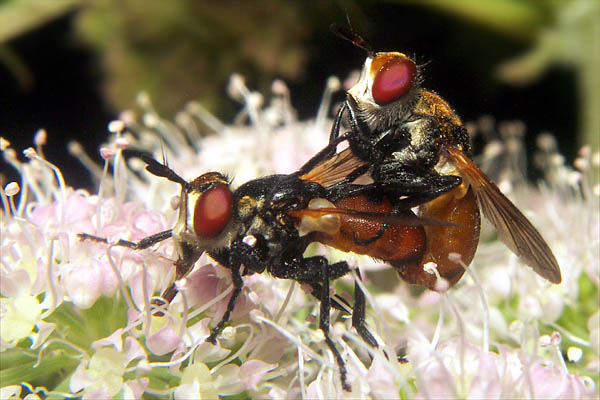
334 169
514 229
390 219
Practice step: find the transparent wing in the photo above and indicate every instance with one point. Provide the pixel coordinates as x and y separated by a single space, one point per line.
514 229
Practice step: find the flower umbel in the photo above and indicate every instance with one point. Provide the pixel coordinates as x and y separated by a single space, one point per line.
82 310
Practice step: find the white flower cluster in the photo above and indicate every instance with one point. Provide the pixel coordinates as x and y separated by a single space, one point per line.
81 310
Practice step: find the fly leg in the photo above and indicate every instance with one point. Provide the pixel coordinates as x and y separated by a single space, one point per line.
324 325
142 244
358 315
183 265
337 302
240 254
337 122
238 283
303 271
358 311
316 272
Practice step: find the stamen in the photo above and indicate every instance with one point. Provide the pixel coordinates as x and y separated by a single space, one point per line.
555 340
30 153
117 272
438 328
165 130
10 190
5 204
209 304
187 125
23 197
296 341
64 342
40 138
441 284
241 350
279 88
213 123
76 150
147 303
455 257
52 284
236 88
333 85
462 337
116 126
252 101
177 361
184 318
301 372
106 154
285 302
572 337
120 173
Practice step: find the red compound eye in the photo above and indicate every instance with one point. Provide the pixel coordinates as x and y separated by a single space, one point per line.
393 80
212 211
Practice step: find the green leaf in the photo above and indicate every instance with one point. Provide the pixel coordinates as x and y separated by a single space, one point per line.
575 316
516 18
24 372
106 316
20 16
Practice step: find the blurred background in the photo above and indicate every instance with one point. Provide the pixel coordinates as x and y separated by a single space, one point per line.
70 66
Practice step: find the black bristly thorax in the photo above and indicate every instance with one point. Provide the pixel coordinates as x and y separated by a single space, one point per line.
261 208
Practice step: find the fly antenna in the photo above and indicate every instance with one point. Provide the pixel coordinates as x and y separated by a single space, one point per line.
349 34
156 168
162 170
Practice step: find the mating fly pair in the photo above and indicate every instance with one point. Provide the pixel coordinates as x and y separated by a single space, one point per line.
412 149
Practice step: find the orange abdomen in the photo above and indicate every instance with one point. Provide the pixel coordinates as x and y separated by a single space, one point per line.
404 244
458 206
